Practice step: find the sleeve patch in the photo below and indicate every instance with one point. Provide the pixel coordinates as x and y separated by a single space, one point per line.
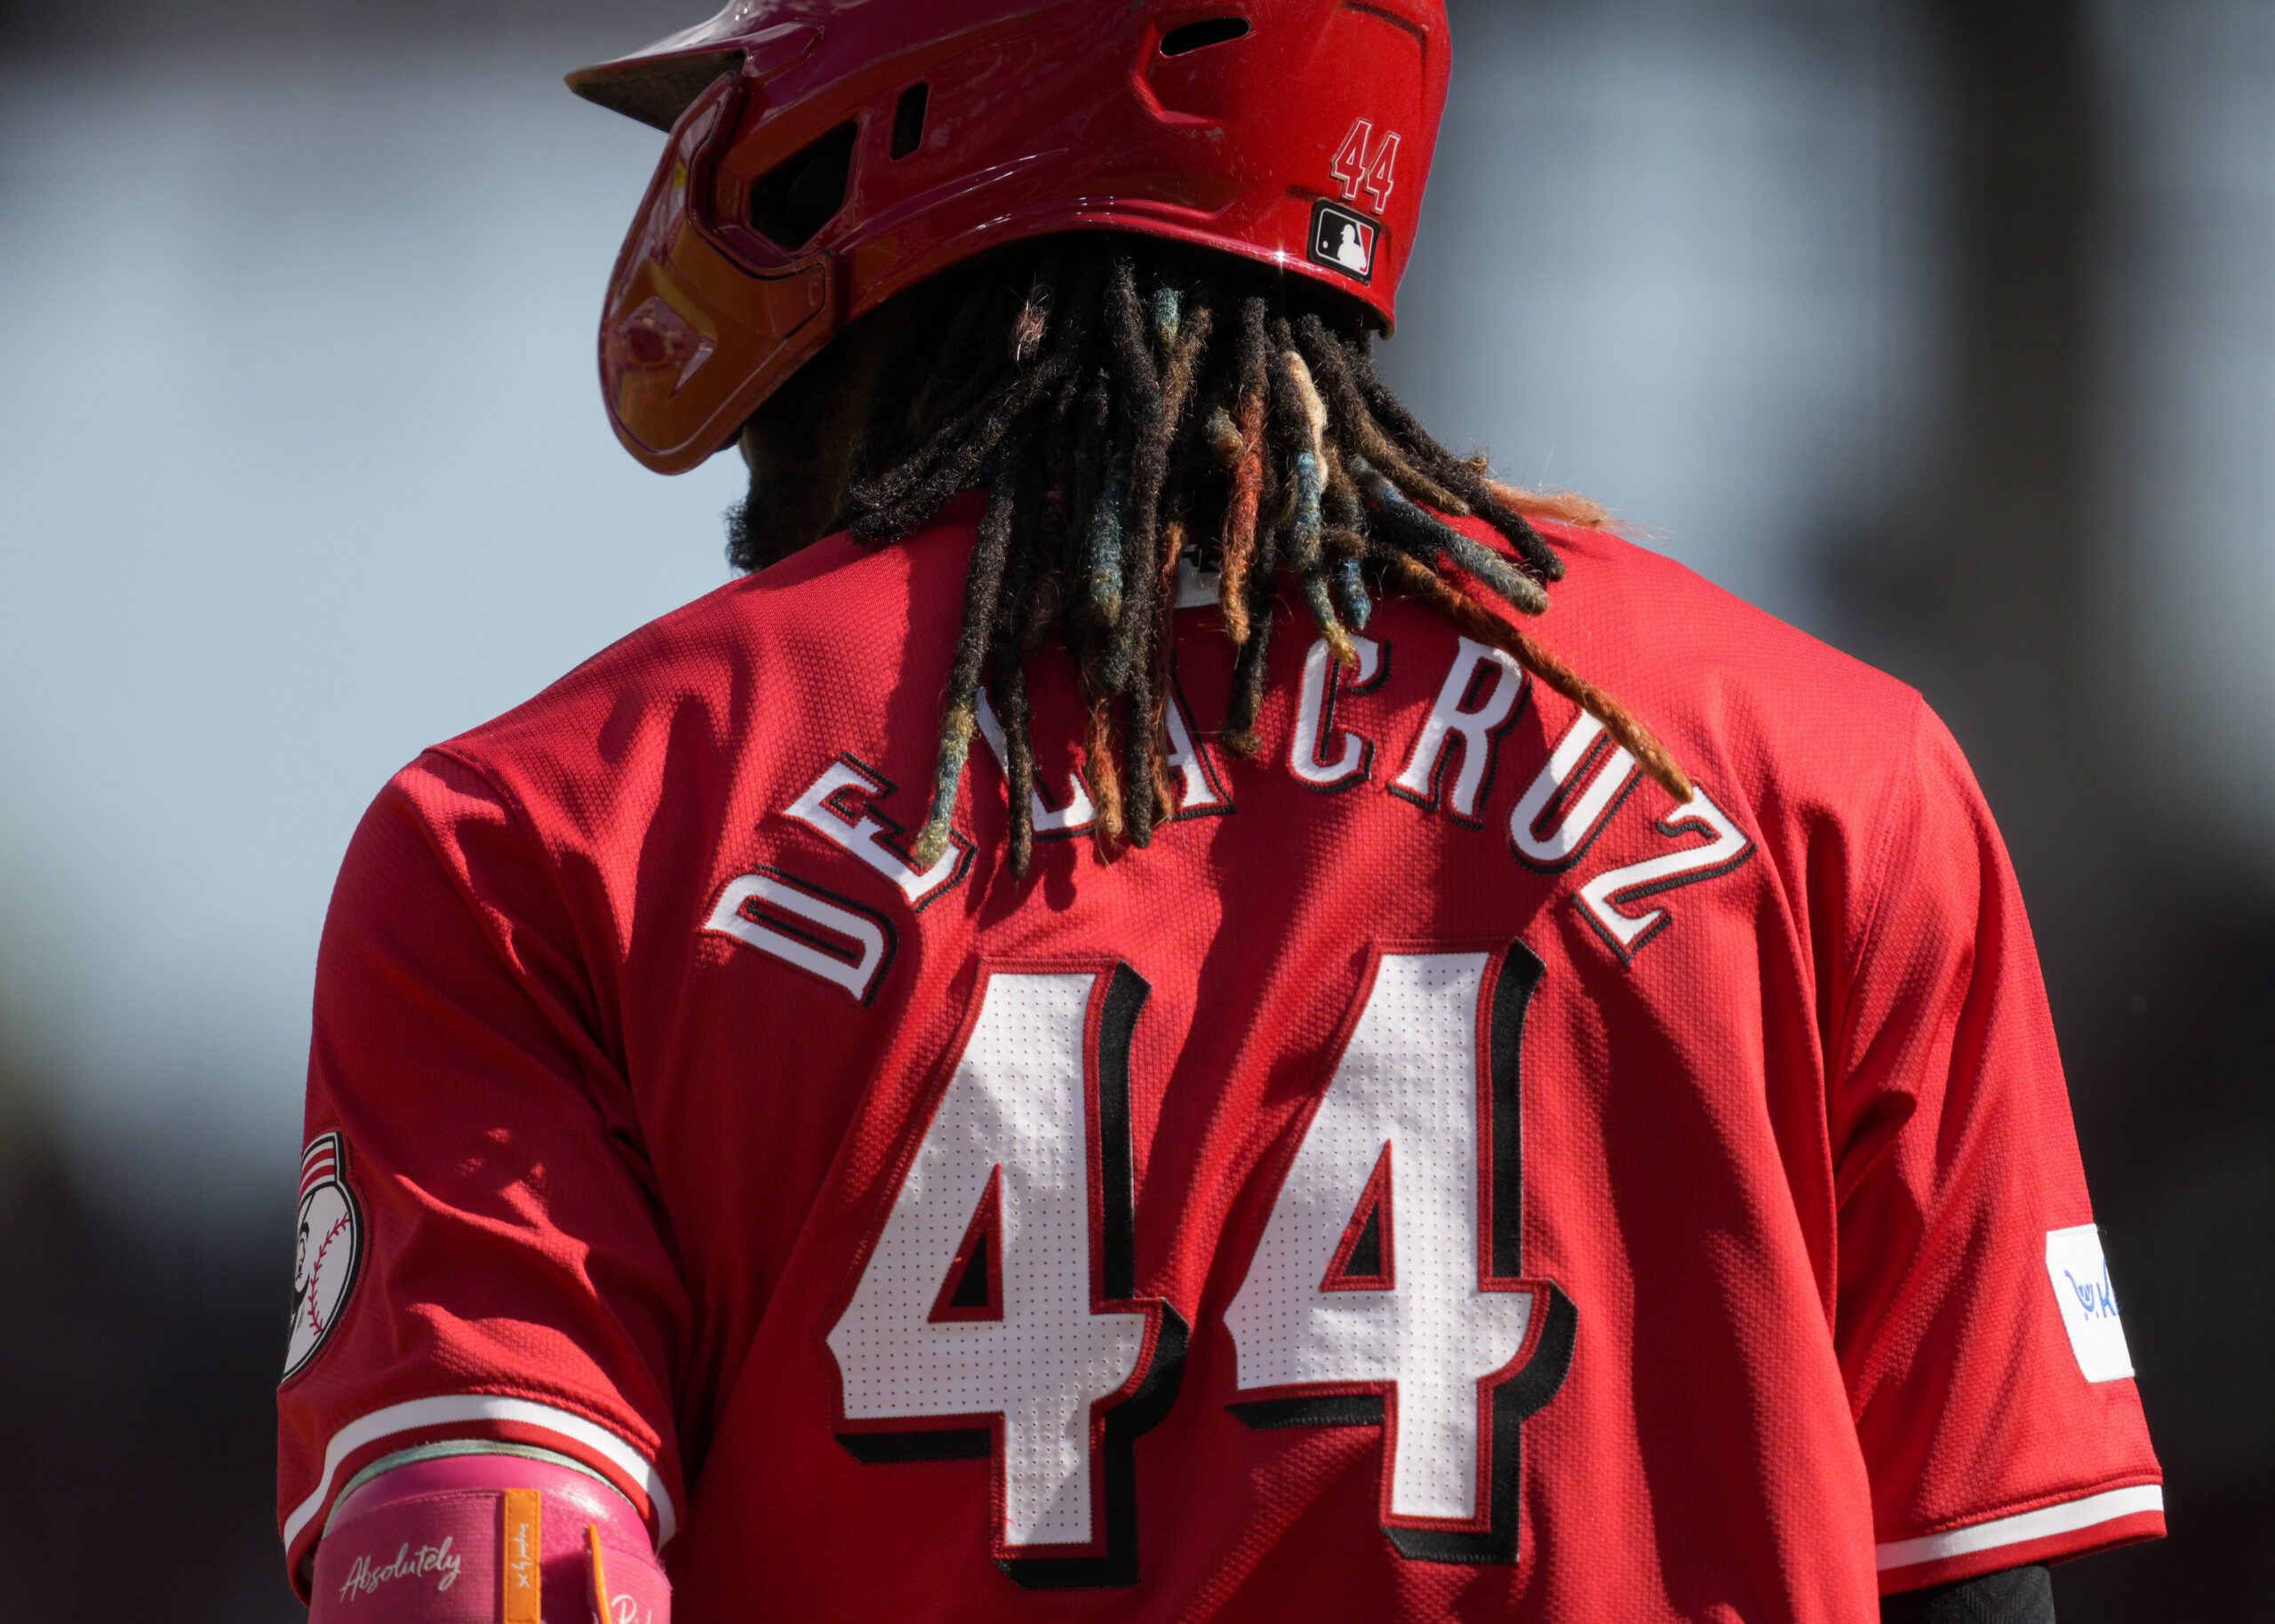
327 1253
2080 1275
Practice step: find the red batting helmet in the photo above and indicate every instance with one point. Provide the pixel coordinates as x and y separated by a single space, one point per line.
826 155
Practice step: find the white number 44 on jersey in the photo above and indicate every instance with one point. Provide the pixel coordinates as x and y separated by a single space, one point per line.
994 1315
1386 1289
975 1328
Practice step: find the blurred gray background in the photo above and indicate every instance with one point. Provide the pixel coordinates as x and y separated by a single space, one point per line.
1944 328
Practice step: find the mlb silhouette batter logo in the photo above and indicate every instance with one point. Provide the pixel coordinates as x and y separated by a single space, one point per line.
329 1246
1344 239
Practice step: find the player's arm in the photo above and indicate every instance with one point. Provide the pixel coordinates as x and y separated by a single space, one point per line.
455 1533
481 1260
2013 1595
1977 1329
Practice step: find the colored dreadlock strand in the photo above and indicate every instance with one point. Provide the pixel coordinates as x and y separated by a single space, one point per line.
982 585
1105 781
1306 550
1244 456
1102 547
1487 627
1565 506
1431 538
1130 411
1183 340
1154 754
1007 659
1353 414
1490 500
1128 666
1249 668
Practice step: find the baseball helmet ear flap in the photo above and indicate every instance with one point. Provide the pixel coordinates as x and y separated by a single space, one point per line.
692 335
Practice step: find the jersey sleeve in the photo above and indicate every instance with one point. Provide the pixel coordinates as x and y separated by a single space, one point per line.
1978 1330
481 1255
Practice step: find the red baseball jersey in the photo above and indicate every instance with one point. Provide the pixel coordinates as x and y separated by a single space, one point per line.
1441 1176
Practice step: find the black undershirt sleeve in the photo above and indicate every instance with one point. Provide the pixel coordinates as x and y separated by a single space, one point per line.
2013 1595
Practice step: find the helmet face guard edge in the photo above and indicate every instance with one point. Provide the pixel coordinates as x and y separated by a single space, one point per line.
825 157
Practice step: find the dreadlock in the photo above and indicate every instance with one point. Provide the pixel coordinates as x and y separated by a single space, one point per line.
1130 408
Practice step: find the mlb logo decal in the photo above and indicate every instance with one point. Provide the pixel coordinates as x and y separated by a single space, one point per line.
325 1257
1344 241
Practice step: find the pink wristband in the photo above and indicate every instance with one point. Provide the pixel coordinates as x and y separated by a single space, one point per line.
487 1540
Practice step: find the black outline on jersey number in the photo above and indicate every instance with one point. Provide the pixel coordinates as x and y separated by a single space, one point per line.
1540 1365
1117 997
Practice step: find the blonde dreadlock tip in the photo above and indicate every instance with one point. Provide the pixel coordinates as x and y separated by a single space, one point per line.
1107 830
1307 392
948 775
1224 436
931 842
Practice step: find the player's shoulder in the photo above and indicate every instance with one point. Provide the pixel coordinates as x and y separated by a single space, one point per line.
1708 654
1766 714
1659 617
801 648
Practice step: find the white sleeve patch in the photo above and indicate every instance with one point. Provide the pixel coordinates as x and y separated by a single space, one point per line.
2080 1275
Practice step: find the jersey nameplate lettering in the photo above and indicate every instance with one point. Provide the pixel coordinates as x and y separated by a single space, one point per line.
840 941
1568 798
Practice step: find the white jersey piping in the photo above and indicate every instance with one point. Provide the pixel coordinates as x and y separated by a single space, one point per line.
2046 1522
460 1409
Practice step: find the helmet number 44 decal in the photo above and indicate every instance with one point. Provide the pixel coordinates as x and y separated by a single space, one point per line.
1365 163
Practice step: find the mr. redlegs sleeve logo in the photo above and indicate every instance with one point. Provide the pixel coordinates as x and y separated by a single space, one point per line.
328 1247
